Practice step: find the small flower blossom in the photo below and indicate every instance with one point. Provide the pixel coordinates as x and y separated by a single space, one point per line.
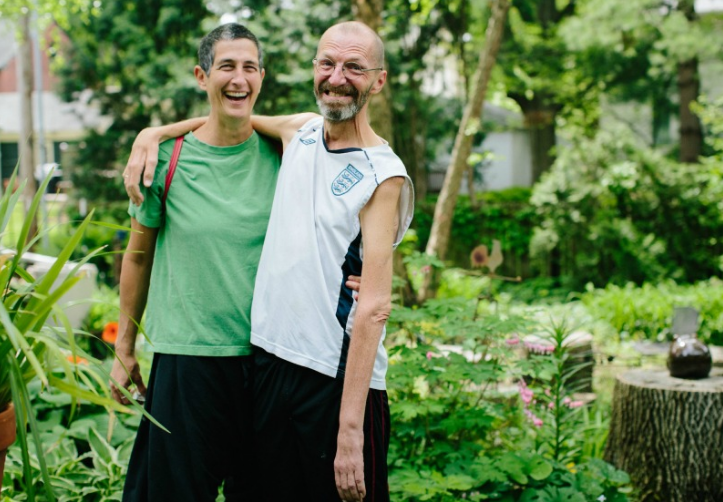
575 404
77 359
602 498
512 341
526 393
537 422
110 332
430 355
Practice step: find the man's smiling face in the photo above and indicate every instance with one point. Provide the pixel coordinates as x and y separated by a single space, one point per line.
234 81
341 96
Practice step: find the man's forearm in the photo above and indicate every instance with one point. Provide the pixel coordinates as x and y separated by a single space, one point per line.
170 131
359 367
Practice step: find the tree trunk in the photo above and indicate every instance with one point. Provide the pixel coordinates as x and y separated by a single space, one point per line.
409 141
540 122
691 134
667 433
26 145
443 211
369 12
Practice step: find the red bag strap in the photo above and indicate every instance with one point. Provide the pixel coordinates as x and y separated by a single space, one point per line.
172 169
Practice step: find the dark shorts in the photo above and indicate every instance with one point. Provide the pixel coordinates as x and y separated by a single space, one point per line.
296 421
205 402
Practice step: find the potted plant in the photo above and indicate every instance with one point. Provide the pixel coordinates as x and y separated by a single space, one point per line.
30 348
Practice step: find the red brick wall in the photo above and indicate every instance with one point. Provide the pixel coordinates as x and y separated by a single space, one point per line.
8 74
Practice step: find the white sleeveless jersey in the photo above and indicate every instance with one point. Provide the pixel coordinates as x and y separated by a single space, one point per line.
302 311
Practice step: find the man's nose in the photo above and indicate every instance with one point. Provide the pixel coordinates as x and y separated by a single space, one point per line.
337 76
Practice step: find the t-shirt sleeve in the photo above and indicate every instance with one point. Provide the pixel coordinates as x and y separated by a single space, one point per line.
150 212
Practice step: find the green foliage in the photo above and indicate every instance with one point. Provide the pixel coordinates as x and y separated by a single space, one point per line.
112 235
505 215
614 212
137 59
86 457
646 312
30 350
47 10
462 432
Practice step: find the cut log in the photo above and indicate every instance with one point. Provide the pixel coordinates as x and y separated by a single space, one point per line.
667 433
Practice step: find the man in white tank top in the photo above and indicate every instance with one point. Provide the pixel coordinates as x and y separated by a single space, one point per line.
343 201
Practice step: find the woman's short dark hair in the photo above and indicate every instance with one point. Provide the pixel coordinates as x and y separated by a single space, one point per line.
230 31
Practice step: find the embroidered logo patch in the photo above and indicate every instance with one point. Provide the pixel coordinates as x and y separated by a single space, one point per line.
308 141
345 180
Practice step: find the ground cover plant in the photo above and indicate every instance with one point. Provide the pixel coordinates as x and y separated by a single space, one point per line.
477 419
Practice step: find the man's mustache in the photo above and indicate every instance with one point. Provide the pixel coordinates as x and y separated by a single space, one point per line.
342 89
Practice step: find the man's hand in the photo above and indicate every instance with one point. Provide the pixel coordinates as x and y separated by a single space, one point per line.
349 465
143 160
353 282
126 372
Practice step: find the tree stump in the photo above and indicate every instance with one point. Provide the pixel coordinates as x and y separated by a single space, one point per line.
667 433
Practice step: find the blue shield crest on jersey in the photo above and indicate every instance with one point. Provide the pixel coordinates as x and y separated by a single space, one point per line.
308 141
345 180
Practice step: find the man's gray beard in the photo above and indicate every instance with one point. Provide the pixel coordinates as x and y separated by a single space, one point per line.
343 114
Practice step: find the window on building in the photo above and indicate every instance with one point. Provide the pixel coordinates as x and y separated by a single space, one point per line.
8 158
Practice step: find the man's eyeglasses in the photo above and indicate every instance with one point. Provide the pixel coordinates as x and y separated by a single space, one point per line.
349 69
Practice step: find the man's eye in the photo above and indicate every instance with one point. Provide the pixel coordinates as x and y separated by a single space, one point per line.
353 67
250 68
326 64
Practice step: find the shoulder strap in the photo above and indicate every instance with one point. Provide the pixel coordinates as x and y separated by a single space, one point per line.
172 169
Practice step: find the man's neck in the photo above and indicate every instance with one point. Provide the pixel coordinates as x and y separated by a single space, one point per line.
354 133
229 132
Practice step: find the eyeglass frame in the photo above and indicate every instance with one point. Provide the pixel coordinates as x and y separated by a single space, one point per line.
343 67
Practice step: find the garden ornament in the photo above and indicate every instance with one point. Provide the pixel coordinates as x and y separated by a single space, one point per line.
688 356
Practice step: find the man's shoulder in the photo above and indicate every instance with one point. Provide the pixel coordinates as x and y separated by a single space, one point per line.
384 159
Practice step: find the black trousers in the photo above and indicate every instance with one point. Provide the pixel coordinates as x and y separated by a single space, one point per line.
296 421
205 403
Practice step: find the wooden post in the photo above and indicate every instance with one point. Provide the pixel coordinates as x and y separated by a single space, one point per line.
667 433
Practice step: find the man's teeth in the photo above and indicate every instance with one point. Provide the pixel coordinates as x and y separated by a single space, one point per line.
336 94
237 94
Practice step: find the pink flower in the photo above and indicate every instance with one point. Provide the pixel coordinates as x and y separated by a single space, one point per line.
430 355
539 348
536 421
425 269
526 393
512 341
576 404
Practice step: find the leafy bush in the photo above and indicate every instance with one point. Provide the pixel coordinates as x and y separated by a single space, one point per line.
613 212
505 215
112 235
646 312
466 423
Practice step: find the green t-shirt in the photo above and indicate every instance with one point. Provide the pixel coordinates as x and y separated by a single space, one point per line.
209 244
